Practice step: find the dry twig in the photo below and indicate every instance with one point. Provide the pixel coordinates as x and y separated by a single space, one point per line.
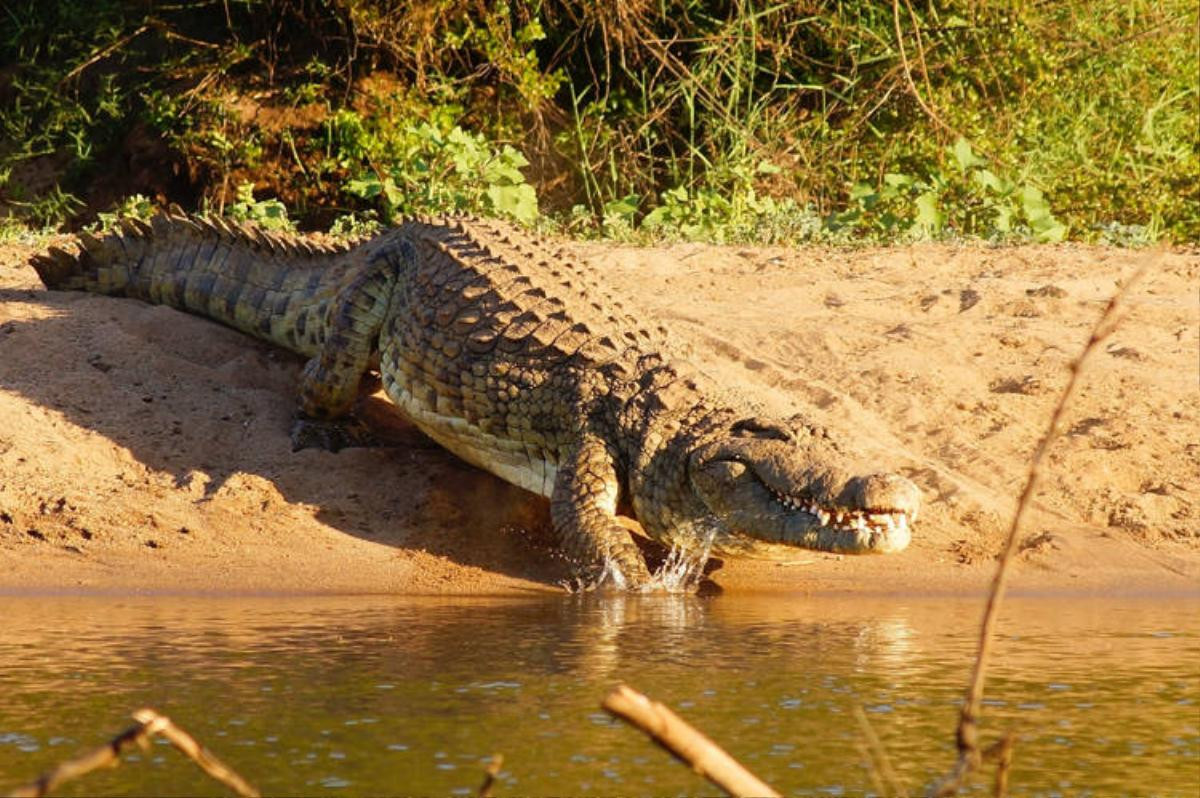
489 775
683 741
933 115
149 723
926 105
881 764
103 53
969 755
1002 753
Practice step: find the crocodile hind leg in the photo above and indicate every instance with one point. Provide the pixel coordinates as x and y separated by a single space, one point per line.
583 508
330 384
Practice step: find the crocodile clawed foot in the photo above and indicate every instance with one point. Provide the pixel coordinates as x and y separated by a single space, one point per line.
331 435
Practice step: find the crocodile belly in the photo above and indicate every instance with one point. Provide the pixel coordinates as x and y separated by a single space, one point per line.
523 463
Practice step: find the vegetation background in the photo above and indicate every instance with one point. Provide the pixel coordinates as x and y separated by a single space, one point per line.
745 120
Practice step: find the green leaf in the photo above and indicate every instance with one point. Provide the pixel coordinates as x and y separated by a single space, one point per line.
456 137
677 195
1047 229
1041 220
889 221
843 220
929 216
861 190
505 168
964 155
624 207
1003 221
1033 203
367 188
533 32
658 217
392 193
992 183
519 202
514 157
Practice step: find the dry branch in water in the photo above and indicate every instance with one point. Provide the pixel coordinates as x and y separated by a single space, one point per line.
970 757
682 740
489 775
149 723
879 763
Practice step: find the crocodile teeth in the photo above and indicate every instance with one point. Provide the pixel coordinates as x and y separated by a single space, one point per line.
842 518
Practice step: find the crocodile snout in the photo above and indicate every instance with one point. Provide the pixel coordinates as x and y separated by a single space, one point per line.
885 493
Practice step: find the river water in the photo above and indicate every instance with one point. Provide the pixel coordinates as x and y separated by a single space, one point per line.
374 695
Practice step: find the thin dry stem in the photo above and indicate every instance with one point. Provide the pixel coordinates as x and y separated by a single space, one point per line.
933 115
104 756
148 724
969 756
187 745
685 742
103 53
872 769
489 775
714 104
881 763
926 106
1002 753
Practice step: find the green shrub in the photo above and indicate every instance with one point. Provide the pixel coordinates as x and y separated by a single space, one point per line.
270 214
744 120
422 170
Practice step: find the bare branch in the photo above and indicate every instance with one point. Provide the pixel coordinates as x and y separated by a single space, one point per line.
880 761
489 775
685 742
969 756
148 724
103 53
926 105
187 745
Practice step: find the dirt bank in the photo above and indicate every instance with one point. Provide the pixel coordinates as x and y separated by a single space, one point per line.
141 448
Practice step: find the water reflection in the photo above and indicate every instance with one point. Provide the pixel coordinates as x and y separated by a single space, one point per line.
370 695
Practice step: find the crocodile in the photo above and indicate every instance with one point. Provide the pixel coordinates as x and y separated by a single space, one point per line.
507 351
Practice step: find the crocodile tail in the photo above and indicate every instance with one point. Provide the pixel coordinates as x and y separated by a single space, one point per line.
100 265
276 287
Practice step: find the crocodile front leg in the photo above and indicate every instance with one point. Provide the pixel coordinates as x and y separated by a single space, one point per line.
583 508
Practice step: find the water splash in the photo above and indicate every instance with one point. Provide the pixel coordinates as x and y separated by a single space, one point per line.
684 566
681 571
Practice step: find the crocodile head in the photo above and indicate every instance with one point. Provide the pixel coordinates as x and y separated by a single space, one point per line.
771 487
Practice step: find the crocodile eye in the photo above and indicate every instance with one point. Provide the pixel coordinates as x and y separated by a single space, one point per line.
728 470
761 428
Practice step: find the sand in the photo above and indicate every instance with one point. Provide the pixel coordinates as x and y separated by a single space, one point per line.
145 450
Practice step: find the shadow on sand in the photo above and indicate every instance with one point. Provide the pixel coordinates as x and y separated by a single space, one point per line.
205 405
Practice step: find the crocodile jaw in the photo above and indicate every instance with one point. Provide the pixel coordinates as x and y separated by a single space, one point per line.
806 532
767 498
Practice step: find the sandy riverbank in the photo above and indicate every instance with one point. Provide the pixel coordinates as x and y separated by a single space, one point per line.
143 449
